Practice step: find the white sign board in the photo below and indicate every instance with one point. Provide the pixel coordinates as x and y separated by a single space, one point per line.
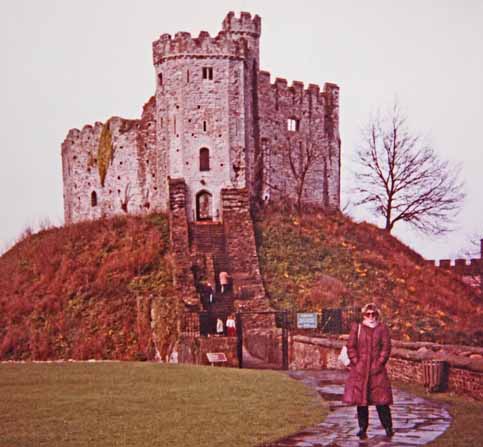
216 357
307 321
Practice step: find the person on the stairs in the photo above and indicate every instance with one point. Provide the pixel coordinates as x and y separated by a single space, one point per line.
208 298
224 280
231 326
368 382
219 326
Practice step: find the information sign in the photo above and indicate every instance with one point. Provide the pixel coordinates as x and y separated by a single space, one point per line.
216 357
307 321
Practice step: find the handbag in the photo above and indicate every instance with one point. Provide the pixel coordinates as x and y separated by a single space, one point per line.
344 355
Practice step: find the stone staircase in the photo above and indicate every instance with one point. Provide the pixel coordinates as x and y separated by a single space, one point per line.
208 246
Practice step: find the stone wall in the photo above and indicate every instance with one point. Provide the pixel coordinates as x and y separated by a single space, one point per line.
307 154
465 363
130 181
193 350
264 344
179 239
242 250
197 110
471 273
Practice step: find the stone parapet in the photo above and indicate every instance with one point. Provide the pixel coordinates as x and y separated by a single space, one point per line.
245 24
179 238
183 45
241 248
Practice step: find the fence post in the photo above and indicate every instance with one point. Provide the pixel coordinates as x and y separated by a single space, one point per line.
239 339
284 341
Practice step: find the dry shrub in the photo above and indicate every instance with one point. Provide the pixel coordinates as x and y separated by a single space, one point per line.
325 289
66 292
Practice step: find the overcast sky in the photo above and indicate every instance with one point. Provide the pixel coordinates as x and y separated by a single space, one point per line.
69 63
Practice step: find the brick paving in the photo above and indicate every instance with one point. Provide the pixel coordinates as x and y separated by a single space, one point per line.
416 421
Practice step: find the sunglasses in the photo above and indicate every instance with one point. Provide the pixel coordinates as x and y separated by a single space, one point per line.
370 314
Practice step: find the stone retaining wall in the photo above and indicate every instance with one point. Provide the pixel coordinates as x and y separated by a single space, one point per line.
465 363
193 350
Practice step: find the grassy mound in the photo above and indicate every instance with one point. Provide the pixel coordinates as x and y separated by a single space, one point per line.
112 404
71 292
323 260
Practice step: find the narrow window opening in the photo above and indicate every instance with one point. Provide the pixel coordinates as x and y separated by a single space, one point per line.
187 76
204 126
160 78
208 73
93 198
204 159
293 124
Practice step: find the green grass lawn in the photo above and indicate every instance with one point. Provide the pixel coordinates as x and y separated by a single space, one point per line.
148 404
466 429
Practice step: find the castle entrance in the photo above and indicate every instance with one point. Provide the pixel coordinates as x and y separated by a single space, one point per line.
204 206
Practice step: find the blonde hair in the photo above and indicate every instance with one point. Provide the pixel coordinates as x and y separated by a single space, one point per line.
373 307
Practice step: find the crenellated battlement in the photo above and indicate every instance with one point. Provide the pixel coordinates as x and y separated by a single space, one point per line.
184 45
244 24
459 266
328 95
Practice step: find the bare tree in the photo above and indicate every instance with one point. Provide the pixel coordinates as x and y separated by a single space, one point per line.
403 178
302 157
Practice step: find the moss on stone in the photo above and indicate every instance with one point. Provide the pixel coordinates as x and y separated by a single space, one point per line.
105 151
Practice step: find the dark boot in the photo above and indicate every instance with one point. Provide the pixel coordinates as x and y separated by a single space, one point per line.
385 417
363 420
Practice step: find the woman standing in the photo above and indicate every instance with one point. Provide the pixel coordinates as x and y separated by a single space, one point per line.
369 347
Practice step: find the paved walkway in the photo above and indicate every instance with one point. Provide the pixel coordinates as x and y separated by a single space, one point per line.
416 421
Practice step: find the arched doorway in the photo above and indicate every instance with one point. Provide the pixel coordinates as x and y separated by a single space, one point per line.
204 206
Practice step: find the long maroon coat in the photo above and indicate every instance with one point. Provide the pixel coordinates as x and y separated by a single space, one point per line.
368 383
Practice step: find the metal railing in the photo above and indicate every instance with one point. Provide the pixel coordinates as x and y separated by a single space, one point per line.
330 321
202 323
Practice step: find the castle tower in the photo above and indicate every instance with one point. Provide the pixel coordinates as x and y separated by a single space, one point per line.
248 29
204 122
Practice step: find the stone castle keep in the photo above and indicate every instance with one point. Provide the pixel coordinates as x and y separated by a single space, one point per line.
216 139
217 122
